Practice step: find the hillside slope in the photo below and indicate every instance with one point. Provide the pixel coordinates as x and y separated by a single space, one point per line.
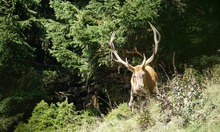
204 115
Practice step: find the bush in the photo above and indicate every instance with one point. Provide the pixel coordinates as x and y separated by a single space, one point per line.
122 112
56 117
7 122
183 97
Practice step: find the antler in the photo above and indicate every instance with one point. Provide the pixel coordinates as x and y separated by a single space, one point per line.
157 38
118 58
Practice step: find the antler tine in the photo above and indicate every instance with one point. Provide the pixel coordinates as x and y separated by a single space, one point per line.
118 58
144 60
111 40
157 38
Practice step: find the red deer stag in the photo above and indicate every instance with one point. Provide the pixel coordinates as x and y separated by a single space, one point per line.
144 78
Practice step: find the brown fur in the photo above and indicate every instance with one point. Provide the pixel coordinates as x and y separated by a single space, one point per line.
143 82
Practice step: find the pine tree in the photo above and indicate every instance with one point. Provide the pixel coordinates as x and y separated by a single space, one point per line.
19 82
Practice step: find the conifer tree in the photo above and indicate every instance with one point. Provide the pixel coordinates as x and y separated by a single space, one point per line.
19 82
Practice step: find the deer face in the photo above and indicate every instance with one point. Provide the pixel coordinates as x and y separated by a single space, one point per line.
138 79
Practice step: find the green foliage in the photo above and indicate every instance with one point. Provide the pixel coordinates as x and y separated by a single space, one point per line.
190 26
196 112
211 109
77 34
122 119
79 38
56 117
214 74
145 119
15 52
119 119
121 113
20 83
185 99
7 122
205 61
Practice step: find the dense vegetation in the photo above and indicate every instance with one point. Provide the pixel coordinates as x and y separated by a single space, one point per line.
57 51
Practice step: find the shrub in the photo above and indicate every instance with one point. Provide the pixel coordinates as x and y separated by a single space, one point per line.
145 120
213 75
122 112
7 122
56 117
184 98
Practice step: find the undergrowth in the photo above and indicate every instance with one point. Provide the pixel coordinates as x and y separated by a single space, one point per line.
188 102
56 117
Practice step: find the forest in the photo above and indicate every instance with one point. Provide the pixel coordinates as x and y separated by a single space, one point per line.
57 72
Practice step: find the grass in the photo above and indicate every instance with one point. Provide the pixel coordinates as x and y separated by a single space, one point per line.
204 118
188 103
212 122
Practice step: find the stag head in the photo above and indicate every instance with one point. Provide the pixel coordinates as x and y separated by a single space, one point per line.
145 62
